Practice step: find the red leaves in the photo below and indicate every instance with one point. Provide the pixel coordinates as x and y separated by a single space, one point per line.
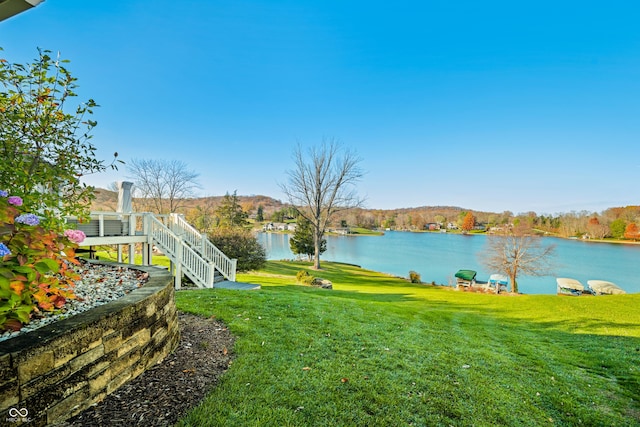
632 232
58 301
12 325
22 259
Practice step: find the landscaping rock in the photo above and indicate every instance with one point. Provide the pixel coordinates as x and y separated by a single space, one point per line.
321 283
98 284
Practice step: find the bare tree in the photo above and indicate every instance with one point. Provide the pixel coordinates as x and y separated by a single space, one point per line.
203 215
518 252
597 229
163 183
321 184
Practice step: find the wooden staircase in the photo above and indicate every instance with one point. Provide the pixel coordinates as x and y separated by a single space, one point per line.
191 253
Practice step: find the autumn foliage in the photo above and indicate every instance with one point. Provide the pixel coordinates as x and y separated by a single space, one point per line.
632 232
468 222
36 265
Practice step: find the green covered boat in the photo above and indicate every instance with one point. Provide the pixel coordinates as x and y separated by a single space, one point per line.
465 277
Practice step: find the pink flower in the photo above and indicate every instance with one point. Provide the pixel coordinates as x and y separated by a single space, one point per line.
15 200
76 236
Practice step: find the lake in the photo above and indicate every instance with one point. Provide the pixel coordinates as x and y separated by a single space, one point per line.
437 257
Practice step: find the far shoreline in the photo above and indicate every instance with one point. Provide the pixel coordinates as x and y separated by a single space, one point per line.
483 233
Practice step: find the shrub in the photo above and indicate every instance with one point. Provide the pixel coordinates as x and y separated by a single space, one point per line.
303 276
36 271
240 244
414 277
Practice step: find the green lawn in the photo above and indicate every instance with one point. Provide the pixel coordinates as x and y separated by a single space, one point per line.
378 351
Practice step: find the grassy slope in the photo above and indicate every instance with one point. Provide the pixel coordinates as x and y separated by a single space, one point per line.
379 351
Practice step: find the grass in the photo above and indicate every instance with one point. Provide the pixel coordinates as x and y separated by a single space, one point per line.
377 350
108 254
365 231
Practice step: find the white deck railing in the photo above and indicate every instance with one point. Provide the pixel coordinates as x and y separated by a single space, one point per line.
181 253
191 252
201 244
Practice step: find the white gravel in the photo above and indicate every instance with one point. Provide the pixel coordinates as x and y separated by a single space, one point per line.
98 285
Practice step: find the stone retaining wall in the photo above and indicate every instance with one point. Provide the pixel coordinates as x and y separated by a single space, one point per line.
57 371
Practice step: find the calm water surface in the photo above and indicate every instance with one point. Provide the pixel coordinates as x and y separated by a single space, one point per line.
437 256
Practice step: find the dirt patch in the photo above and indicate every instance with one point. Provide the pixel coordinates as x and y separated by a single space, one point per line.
164 393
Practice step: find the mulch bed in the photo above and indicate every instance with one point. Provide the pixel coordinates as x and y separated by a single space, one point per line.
164 393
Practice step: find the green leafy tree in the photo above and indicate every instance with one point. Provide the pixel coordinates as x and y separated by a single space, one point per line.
260 214
389 222
230 213
278 216
45 141
288 212
617 228
240 244
301 242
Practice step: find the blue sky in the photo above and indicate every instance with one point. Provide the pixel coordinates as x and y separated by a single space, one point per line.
499 105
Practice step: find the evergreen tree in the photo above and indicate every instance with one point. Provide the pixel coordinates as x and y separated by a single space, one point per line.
301 242
230 213
260 214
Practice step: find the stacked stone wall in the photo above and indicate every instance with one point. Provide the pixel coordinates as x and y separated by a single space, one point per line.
55 372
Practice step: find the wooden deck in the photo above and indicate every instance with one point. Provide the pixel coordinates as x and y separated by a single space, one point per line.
191 253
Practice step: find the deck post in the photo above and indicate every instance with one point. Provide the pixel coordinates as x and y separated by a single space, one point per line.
211 274
234 265
147 251
101 225
178 264
132 232
203 242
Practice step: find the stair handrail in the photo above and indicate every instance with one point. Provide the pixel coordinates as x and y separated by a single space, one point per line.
199 241
182 254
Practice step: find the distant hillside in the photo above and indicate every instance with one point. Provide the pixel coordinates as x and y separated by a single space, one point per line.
403 218
107 200
611 222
